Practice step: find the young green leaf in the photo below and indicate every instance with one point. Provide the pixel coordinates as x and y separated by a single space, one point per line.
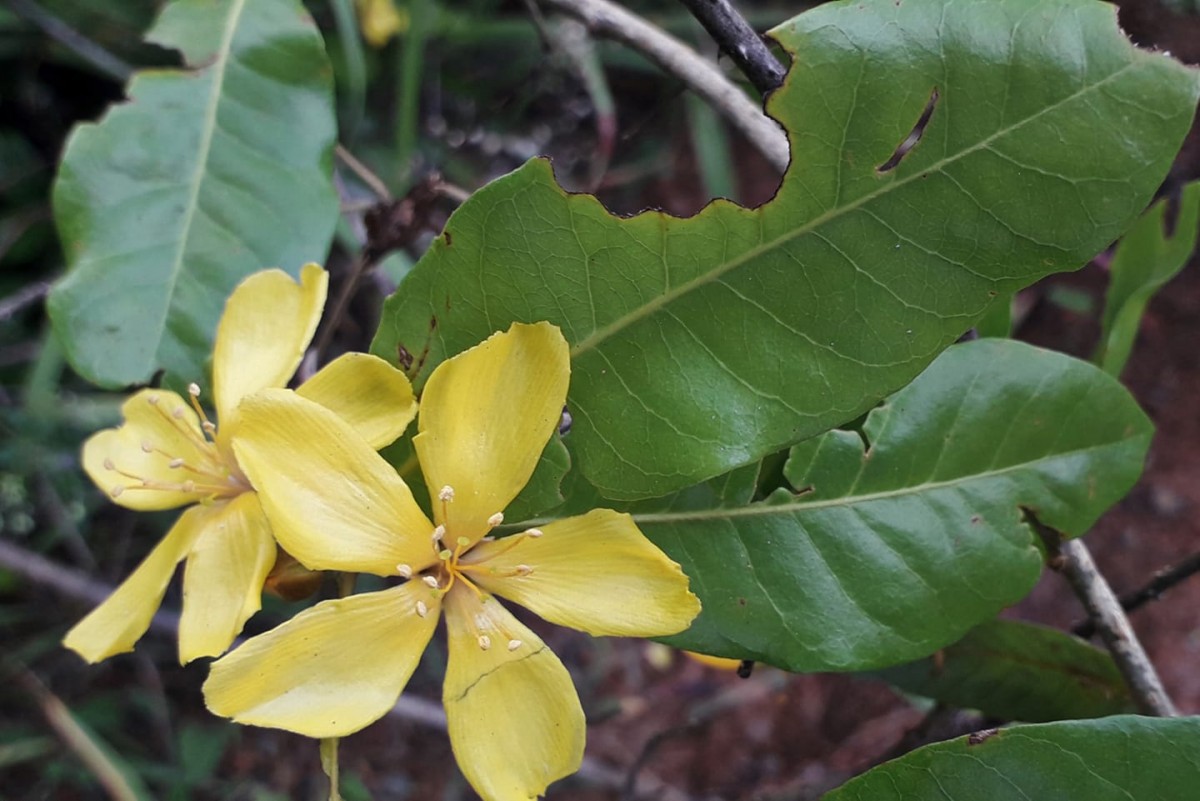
702 344
1145 260
1019 671
1111 759
207 174
897 546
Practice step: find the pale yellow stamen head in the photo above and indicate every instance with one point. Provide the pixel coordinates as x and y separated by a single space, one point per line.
209 426
446 494
422 609
438 533
485 642
108 464
147 447
514 645
152 400
194 389
178 413
523 570
534 532
430 582
405 571
175 463
116 491
496 519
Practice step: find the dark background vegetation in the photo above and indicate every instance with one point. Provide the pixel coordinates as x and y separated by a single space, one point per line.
471 91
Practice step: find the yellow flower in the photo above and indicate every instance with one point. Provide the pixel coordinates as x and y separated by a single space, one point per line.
168 454
514 719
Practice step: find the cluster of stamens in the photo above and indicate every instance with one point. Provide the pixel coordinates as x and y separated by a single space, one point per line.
451 569
211 476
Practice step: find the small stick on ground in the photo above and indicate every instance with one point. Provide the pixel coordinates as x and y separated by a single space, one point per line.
1074 561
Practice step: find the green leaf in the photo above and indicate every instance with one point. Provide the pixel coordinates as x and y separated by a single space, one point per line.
889 552
1018 671
1112 759
1145 260
542 492
702 344
206 175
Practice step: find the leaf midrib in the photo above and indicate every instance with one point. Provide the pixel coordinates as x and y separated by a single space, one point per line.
220 65
624 321
763 508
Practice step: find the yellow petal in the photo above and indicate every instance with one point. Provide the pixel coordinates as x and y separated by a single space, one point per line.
223 580
718 662
333 502
375 398
330 670
597 573
160 427
514 718
115 625
380 20
268 322
486 415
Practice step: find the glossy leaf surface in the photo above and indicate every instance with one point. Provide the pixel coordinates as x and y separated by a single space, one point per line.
893 549
702 344
1112 759
1145 260
1012 670
207 174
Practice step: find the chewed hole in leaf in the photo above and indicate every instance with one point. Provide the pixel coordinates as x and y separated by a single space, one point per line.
913 137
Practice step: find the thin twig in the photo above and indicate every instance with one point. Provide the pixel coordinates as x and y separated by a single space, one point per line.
1152 590
606 19
72 39
739 41
24 297
373 181
1074 561
78 586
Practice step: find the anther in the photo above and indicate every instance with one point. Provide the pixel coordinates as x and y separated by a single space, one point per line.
514 645
485 642
438 533
404 570
523 570
189 486
108 464
194 390
496 519
446 494
175 463
422 609
534 532
147 447
116 491
178 413
430 582
152 400
209 426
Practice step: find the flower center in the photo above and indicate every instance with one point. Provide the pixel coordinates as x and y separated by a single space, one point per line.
451 571
206 470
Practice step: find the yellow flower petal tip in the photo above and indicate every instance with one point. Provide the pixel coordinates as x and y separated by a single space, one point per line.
717 662
267 324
